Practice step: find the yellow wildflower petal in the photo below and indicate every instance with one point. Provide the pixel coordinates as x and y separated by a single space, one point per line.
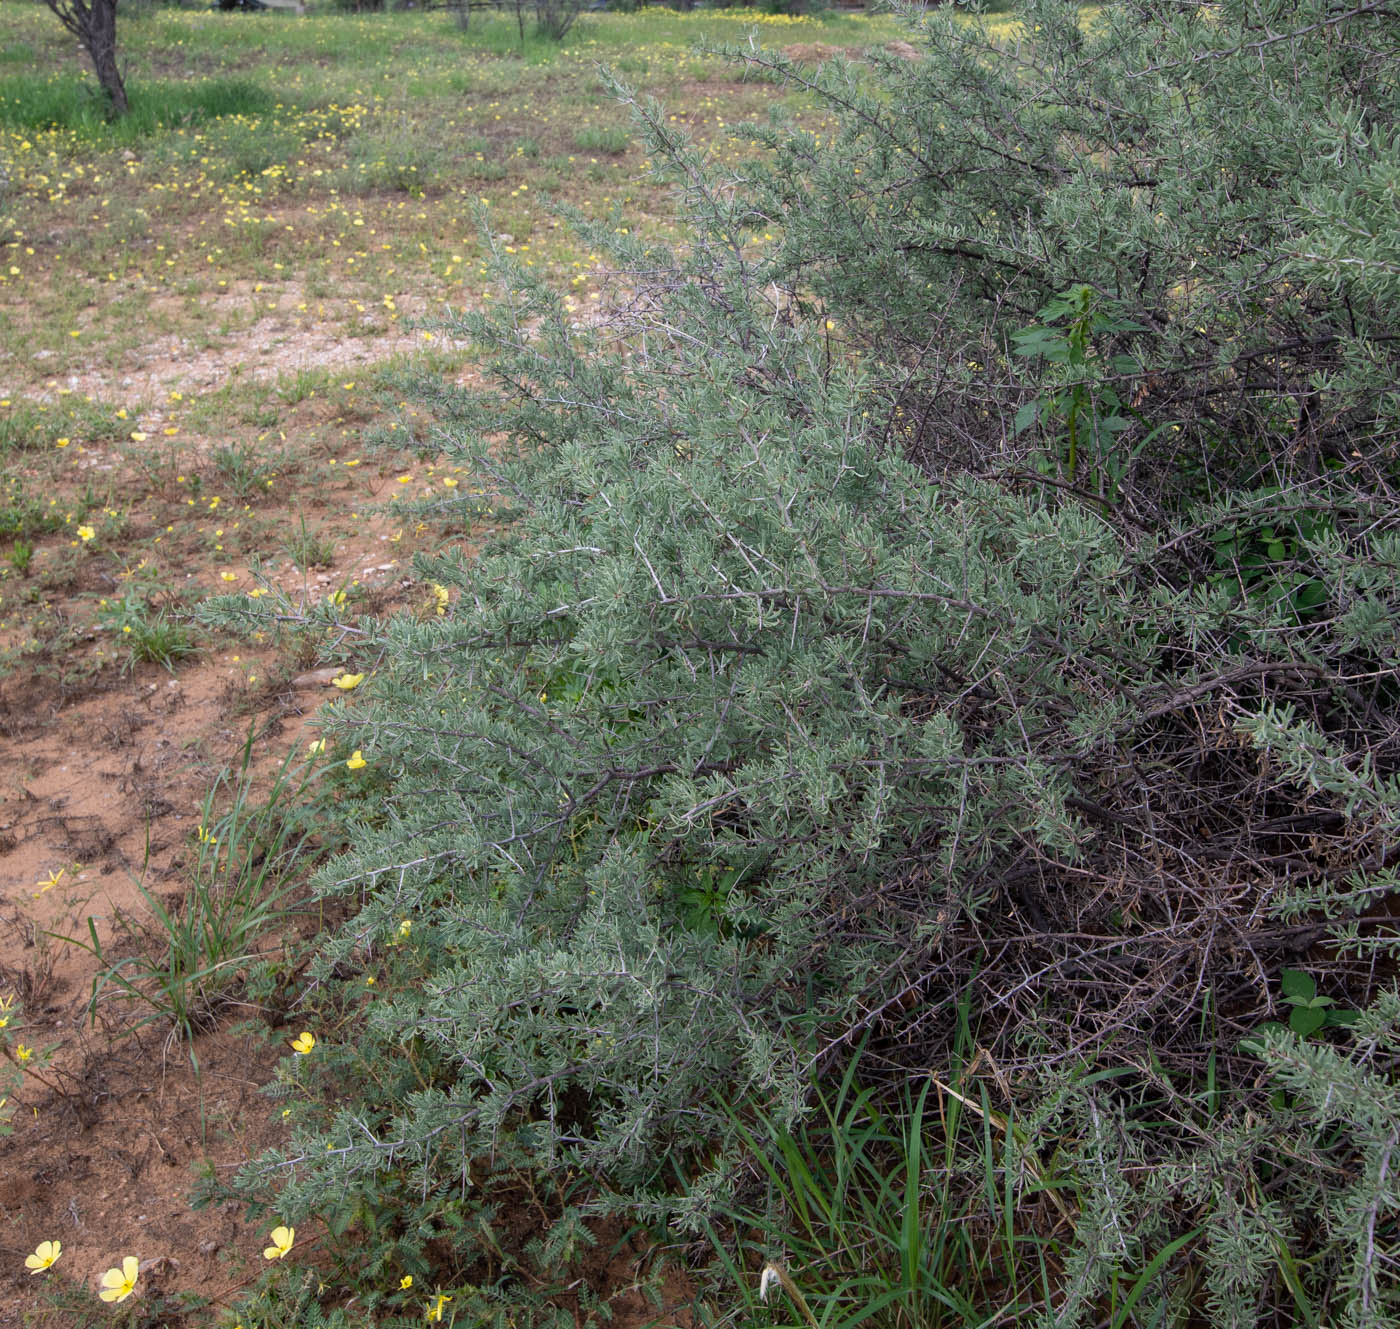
45 1255
282 1239
119 1284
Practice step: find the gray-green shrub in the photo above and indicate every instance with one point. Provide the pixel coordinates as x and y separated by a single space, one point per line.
987 591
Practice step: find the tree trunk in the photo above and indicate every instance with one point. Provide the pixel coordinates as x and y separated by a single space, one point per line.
102 47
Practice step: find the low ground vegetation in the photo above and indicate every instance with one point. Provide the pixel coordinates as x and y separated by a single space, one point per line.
901 809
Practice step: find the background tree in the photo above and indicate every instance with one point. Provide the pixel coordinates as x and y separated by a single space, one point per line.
554 18
94 23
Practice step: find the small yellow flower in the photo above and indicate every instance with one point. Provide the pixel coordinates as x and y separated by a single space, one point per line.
281 1237
303 1042
137 437
228 576
60 442
119 1284
45 1255
315 747
347 682
23 1053
86 533
50 881
204 835
406 1282
434 1308
356 761
405 927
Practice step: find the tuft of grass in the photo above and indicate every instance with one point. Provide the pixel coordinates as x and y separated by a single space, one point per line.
308 548
20 555
611 139
28 425
400 162
148 635
22 515
484 170
892 1216
241 146
246 473
303 384
245 869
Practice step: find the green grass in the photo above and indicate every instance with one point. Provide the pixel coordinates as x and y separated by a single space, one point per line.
20 555
145 634
309 548
303 384
39 102
602 139
22 515
398 161
188 67
246 472
233 115
246 861
895 1214
27 426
